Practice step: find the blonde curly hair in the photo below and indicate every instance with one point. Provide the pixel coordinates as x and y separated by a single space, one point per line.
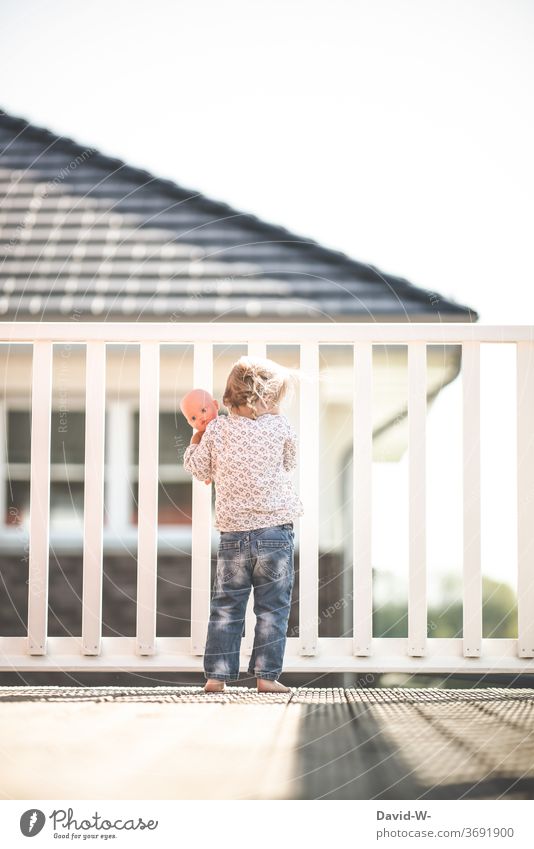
254 381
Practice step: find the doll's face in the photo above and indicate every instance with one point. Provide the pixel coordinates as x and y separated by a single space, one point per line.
199 408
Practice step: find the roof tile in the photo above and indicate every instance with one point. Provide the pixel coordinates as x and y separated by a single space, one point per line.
81 230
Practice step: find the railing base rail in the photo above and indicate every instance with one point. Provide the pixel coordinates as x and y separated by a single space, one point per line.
334 654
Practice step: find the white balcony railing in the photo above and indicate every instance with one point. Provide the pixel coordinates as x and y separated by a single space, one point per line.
362 652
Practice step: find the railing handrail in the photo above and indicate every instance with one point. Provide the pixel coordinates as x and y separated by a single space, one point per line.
239 332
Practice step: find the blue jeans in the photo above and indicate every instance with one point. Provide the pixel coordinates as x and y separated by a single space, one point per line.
263 559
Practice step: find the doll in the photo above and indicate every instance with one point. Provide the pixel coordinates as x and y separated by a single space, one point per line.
199 408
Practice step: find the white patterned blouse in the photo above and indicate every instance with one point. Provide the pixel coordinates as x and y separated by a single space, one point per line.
249 461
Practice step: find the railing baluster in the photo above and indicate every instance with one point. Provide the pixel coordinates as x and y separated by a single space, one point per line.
309 494
417 604
147 497
95 409
525 498
255 349
39 497
472 575
201 537
362 482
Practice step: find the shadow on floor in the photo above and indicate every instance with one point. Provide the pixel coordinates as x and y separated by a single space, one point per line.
418 744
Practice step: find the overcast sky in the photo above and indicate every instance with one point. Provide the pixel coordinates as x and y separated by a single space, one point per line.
400 132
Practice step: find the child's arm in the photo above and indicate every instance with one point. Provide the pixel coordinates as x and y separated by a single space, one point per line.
197 457
290 450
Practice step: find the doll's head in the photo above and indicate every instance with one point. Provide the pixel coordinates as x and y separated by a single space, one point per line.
256 383
199 408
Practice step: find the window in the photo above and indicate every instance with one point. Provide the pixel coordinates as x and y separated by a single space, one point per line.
67 446
67 452
174 487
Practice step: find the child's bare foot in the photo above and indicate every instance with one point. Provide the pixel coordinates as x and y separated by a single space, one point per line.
213 685
265 685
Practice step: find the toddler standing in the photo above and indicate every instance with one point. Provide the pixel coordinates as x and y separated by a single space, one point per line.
248 454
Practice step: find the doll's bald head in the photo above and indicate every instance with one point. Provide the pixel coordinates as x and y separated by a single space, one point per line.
199 408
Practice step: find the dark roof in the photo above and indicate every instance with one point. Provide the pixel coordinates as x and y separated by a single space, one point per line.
83 233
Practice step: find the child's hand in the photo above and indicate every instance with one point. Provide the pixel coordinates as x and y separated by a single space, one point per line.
208 480
197 436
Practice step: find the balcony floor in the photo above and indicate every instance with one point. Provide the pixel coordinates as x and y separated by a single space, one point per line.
180 743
